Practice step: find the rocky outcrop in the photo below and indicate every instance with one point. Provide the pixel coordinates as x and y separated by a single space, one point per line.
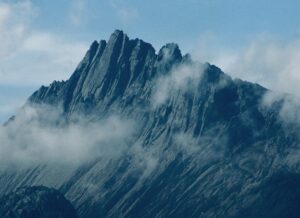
36 202
213 143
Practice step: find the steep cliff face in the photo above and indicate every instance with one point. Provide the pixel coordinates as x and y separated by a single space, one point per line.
211 147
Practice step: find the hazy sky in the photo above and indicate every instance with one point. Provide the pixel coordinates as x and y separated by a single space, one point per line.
42 40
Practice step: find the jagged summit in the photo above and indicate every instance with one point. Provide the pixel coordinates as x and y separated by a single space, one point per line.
122 74
108 69
170 50
204 145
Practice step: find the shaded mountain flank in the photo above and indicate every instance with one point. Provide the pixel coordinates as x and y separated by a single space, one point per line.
204 144
36 202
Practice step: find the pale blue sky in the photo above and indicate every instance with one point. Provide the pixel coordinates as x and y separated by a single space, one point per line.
232 21
43 40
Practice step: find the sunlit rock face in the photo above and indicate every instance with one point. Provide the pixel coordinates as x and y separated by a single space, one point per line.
202 144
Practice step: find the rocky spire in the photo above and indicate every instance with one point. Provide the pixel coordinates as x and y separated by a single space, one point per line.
109 70
168 55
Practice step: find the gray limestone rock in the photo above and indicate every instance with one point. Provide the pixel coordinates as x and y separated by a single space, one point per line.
218 150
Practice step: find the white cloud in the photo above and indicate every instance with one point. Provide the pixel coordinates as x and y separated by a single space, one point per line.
14 24
209 146
286 108
35 137
39 135
8 105
265 60
182 77
4 14
42 58
126 14
77 12
287 104
29 56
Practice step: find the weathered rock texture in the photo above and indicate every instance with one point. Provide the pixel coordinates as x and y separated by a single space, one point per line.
219 151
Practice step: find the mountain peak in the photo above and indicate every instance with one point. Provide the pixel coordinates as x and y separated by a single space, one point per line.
170 51
197 136
118 32
117 35
109 70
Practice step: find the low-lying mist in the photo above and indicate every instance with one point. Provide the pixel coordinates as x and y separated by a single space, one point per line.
38 135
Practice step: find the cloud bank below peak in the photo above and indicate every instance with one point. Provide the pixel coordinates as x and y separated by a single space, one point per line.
38 135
